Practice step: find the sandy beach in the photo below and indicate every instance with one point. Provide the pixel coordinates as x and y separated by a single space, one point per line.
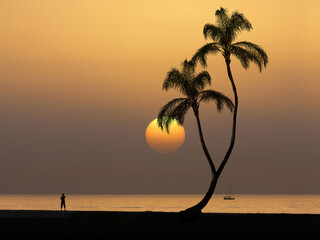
28 224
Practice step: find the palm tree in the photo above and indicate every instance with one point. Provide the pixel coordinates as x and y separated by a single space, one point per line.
192 86
223 36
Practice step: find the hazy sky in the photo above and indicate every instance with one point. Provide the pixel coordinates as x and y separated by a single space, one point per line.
81 80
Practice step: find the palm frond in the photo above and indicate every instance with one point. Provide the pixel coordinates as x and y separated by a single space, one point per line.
188 66
180 111
243 56
254 48
201 80
166 109
222 17
237 23
220 99
176 80
201 54
247 55
175 109
212 31
165 122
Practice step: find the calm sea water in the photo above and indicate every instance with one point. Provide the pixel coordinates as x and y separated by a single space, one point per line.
166 203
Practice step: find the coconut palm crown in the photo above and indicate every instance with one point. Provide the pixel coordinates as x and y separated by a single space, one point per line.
223 36
191 86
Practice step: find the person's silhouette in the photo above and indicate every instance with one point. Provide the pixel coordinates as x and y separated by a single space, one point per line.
63 201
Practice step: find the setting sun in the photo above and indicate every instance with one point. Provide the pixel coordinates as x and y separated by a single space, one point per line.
162 141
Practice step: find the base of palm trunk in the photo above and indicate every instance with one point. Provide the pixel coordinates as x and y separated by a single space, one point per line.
190 213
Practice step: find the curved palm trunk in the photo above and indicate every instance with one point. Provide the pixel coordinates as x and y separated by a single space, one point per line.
196 209
233 137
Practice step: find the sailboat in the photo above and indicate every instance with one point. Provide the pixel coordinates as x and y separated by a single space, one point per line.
229 197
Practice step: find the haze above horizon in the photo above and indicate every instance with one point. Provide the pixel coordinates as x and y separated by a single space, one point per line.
79 83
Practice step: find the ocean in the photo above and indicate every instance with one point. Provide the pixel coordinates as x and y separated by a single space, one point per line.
305 204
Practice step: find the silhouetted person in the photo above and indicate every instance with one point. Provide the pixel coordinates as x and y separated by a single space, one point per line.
63 201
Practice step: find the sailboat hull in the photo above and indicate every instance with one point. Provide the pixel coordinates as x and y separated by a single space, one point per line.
228 198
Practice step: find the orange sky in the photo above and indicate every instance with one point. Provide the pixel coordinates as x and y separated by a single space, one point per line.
82 79
106 44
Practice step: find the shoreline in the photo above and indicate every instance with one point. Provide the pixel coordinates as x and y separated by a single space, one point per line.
43 224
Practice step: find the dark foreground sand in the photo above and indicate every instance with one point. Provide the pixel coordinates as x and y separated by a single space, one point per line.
155 225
